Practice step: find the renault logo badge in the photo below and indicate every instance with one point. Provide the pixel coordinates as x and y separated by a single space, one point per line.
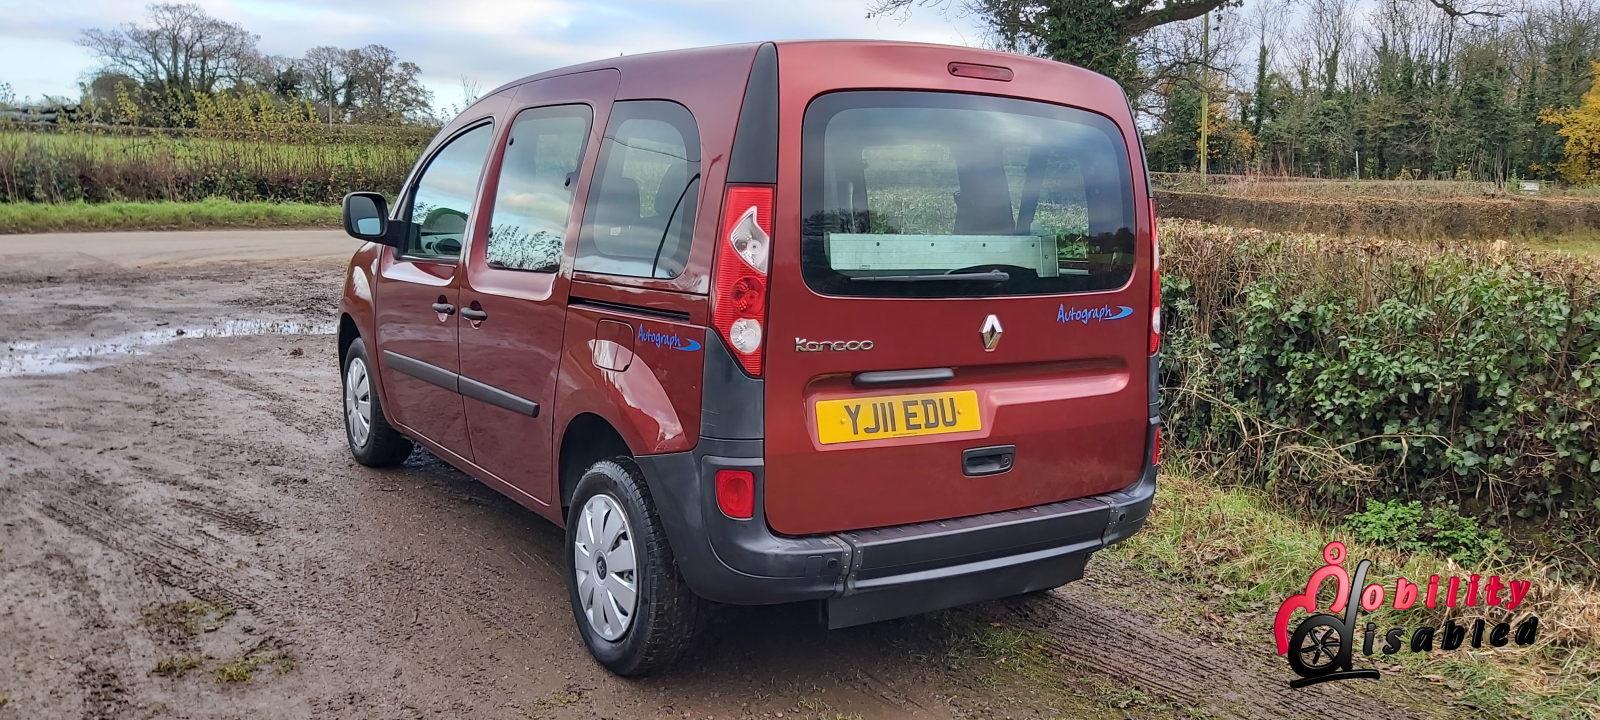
990 333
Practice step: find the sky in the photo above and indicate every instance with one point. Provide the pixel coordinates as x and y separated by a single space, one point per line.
487 41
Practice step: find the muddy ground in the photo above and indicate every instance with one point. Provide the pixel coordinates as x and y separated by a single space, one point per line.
183 534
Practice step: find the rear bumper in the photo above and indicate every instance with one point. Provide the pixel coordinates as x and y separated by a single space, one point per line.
870 575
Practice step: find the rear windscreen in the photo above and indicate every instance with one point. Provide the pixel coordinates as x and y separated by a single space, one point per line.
924 194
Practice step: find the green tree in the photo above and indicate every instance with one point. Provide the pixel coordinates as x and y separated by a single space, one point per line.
1580 128
1094 34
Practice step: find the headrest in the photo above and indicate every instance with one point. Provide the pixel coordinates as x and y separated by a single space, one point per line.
670 189
619 202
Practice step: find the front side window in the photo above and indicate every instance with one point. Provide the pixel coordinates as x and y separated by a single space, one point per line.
538 177
442 201
639 220
923 194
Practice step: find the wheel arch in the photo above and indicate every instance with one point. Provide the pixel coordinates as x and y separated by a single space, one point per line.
587 438
348 332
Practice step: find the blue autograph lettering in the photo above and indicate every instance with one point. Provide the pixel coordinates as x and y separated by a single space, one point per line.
669 340
1085 316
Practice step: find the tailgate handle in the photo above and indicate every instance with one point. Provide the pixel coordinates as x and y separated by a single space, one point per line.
993 460
903 377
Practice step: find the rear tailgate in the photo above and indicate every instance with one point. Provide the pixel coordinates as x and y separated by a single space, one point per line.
1018 376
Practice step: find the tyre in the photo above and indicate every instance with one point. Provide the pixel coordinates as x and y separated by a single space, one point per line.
633 609
1319 646
372 440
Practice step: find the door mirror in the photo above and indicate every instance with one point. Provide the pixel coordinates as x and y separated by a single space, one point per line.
366 217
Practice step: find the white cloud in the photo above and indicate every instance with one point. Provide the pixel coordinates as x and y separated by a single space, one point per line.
490 41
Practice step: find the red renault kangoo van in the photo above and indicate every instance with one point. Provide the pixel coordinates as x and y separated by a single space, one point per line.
867 324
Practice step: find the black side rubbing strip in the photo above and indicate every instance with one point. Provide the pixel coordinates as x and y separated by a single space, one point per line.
474 389
755 140
903 377
422 371
658 313
498 398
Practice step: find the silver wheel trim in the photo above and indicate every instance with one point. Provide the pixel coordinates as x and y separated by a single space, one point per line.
605 567
357 402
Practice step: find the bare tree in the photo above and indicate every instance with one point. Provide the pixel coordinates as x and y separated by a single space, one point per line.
1325 36
387 88
330 79
471 90
178 50
1104 35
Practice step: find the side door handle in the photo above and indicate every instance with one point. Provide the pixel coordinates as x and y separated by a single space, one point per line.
444 308
474 314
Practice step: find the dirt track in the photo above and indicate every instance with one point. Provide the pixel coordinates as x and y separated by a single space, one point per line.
192 501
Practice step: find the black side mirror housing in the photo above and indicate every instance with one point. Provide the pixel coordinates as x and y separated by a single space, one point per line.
366 217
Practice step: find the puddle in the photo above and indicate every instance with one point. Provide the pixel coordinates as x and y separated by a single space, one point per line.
48 358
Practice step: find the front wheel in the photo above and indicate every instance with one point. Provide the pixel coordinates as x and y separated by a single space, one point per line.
634 611
372 440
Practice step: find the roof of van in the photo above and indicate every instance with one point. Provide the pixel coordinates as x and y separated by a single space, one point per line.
713 53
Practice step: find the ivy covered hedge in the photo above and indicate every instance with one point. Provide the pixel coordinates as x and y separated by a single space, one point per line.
1340 370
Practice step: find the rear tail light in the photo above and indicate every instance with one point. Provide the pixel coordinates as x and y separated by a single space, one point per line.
743 255
736 493
1155 284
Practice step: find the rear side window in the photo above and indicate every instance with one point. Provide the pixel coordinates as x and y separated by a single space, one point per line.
537 179
921 194
639 219
442 201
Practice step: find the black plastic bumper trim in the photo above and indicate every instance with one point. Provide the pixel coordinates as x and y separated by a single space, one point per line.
870 575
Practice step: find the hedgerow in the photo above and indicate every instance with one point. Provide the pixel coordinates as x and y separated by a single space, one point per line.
1338 370
95 166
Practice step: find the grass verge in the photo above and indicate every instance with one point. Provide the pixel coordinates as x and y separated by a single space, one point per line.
1584 244
1240 540
28 217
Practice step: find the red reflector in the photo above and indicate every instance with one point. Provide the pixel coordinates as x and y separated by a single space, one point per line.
748 296
1155 447
981 72
736 493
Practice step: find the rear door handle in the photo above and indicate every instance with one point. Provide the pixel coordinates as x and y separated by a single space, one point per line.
993 460
474 315
444 308
903 377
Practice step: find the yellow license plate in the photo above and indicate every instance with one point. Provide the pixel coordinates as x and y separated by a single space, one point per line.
894 416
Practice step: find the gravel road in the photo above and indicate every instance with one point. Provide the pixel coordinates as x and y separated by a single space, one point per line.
183 534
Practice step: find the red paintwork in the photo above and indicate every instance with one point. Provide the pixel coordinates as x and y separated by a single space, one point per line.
1072 398
402 294
518 348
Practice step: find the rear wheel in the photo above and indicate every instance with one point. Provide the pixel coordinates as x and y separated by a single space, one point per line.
632 607
372 440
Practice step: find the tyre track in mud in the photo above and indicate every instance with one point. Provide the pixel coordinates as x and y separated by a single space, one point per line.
1146 652
215 470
